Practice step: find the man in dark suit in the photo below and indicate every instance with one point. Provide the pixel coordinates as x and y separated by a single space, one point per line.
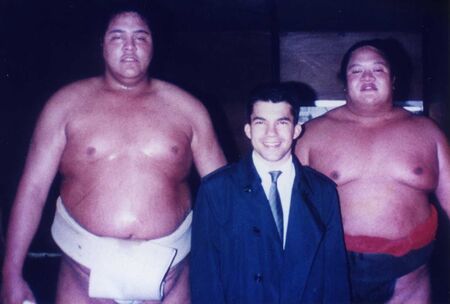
267 229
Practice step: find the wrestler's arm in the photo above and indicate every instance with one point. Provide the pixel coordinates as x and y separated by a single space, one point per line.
301 151
443 188
208 155
336 285
303 143
40 168
314 133
205 280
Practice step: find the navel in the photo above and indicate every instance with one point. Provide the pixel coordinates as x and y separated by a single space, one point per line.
90 151
418 170
174 149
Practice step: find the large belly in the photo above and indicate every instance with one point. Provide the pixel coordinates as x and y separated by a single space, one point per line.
126 201
386 209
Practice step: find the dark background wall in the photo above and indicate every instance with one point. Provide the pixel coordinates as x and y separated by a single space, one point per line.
217 50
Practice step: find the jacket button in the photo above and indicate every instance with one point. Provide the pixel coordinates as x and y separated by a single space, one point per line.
248 189
256 231
258 278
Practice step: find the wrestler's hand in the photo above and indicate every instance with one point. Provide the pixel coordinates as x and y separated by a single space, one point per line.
16 291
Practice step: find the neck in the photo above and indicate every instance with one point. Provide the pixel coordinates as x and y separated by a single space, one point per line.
373 118
129 84
370 110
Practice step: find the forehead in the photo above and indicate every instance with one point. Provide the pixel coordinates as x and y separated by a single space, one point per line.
127 21
268 109
367 53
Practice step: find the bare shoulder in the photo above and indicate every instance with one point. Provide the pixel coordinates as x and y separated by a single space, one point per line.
314 132
71 95
58 111
186 103
427 127
174 93
325 121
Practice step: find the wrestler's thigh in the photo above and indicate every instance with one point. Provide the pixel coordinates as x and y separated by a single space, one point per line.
73 285
178 289
413 287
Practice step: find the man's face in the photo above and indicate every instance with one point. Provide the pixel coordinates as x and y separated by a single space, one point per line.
369 79
127 47
272 130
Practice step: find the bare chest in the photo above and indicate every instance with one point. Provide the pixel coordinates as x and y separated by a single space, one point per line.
391 154
128 132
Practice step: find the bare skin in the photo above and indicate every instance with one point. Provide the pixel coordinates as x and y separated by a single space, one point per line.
124 145
385 161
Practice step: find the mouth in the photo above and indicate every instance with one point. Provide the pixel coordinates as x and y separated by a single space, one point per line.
368 87
271 144
128 58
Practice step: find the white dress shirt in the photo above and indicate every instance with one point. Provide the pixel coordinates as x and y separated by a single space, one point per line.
285 182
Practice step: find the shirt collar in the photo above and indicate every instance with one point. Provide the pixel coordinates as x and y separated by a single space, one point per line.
263 168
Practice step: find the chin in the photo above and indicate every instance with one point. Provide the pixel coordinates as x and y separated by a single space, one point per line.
131 71
272 158
133 75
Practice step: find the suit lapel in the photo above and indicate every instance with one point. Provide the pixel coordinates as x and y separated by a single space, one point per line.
304 235
256 202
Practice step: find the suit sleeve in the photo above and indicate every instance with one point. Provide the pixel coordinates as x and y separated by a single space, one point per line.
206 286
337 287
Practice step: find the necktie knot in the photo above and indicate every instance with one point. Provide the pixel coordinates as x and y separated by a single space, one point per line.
274 175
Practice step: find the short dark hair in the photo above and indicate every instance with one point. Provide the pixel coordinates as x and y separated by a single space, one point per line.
275 92
138 7
381 45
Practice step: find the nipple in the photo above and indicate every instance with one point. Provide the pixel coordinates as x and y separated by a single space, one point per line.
334 175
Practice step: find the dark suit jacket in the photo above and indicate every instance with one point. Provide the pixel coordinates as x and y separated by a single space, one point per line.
237 255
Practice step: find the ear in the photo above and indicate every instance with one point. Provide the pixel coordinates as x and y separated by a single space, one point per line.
297 131
247 130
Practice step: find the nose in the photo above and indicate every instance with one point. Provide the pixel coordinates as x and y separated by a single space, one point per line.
129 44
271 129
367 75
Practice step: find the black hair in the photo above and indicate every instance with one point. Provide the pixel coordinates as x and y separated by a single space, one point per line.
275 92
139 7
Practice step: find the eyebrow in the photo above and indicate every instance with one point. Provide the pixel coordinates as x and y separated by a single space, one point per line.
284 118
113 31
376 62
